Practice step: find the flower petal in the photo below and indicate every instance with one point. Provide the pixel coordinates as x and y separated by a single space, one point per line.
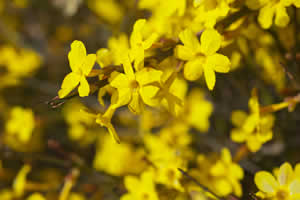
149 41
68 84
76 55
281 16
285 174
210 77
84 88
88 64
136 104
193 69
148 75
184 53
295 187
136 36
219 63
265 17
265 182
210 41
120 81
124 96
189 39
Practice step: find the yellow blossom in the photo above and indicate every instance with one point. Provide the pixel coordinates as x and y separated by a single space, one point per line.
133 87
283 186
126 158
202 56
255 129
81 65
139 44
270 9
21 124
219 173
197 110
140 189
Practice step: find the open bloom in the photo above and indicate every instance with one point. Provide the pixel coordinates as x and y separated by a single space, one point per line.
284 186
81 65
133 88
254 128
202 56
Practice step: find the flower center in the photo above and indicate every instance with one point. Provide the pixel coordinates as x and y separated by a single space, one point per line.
134 84
282 194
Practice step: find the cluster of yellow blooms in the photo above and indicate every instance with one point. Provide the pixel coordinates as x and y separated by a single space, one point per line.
151 101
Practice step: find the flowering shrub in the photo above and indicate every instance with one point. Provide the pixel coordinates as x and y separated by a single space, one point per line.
147 99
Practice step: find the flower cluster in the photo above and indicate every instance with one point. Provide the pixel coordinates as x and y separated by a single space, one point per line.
154 97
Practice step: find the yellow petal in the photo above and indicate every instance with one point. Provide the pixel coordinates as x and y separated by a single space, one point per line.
238 117
295 187
128 67
189 39
210 77
219 63
281 17
238 135
135 105
136 36
148 75
76 55
131 183
84 88
68 84
138 54
120 81
265 182
265 17
193 69
226 155
184 53
210 41
149 41
285 174
103 57
36 196
297 3
218 169
147 93
297 170
88 64
124 96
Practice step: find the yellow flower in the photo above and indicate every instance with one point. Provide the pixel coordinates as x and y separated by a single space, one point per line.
36 196
127 160
219 173
140 189
110 10
271 8
202 57
209 12
138 44
81 65
284 186
198 110
254 129
133 88
21 124
115 52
